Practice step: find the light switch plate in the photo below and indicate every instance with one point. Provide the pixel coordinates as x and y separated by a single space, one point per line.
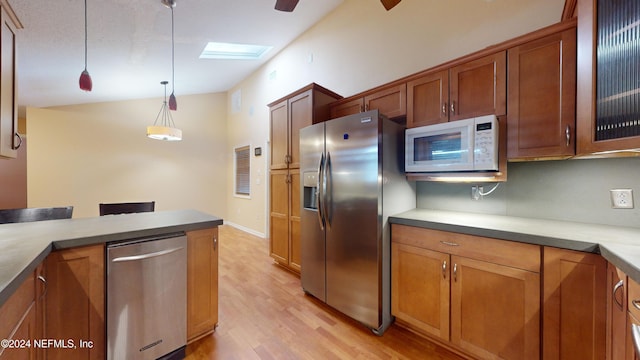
621 198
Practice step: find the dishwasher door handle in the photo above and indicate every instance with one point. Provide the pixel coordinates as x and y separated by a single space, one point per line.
146 256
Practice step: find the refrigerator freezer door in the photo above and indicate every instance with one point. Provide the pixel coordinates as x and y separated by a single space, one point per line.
312 235
353 231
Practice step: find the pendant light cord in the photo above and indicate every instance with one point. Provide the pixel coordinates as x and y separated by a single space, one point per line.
173 61
85 34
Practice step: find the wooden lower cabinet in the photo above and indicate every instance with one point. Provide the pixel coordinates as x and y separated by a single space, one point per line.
75 302
202 283
574 305
421 301
616 313
284 237
20 322
467 292
495 310
633 318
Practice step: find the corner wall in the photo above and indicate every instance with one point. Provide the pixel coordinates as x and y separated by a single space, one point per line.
87 154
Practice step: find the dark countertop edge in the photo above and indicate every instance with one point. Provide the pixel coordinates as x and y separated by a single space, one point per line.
607 251
501 234
17 281
7 291
127 235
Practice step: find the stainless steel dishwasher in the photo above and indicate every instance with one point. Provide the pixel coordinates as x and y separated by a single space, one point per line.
147 298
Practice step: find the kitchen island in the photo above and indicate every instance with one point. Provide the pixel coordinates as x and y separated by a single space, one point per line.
53 272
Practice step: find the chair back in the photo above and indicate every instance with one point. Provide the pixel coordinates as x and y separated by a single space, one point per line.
127 208
35 214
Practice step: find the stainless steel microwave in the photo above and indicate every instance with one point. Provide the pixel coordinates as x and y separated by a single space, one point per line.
462 145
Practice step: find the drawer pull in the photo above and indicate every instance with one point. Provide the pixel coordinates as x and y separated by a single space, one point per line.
636 304
449 243
444 269
618 286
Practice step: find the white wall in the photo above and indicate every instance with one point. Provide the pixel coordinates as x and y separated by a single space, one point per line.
87 154
360 46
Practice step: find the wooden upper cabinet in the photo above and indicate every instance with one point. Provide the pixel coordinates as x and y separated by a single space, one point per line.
288 115
541 97
9 138
470 89
347 107
390 101
478 87
427 99
608 100
279 135
300 115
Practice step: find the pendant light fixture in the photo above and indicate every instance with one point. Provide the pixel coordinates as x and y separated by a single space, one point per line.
85 79
173 104
164 128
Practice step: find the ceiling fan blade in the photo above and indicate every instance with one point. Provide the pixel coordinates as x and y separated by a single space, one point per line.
286 5
389 4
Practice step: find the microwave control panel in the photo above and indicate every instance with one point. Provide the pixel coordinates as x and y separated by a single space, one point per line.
485 155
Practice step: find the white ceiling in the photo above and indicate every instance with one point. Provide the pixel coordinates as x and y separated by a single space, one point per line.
129 45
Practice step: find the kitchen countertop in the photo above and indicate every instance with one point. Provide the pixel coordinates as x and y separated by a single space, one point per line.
619 245
23 246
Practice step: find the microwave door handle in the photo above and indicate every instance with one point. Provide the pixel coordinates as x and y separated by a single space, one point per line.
320 193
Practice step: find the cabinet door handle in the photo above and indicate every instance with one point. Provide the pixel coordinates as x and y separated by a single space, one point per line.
455 272
449 243
636 304
366 107
444 108
215 243
44 283
16 147
444 269
453 107
567 133
618 286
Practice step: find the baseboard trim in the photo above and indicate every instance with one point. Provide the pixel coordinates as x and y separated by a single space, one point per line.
246 229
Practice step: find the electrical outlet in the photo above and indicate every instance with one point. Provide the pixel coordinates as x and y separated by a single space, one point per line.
476 192
621 198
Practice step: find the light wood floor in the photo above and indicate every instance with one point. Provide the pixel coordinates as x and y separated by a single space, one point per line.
264 314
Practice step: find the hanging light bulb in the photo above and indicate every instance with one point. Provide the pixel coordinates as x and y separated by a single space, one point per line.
164 128
173 103
85 79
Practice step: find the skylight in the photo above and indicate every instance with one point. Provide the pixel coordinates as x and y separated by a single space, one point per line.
216 50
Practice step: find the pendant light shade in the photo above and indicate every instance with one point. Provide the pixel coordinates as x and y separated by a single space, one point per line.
164 128
85 81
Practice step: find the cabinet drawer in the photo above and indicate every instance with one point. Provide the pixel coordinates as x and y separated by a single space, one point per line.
504 252
633 293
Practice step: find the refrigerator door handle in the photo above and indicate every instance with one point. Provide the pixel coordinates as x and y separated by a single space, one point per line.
319 195
327 191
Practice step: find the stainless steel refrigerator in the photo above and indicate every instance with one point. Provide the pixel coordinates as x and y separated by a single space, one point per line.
352 179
